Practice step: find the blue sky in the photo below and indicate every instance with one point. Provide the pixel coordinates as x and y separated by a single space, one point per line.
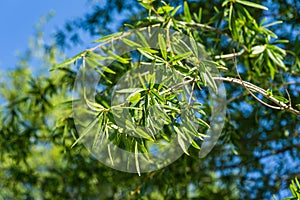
18 19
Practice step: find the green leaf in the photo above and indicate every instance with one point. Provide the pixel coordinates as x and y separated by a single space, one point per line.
165 9
258 49
194 46
99 132
181 56
158 96
147 52
174 109
210 81
273 23
187 12
298 106
275 58
203 123
109 37
199 15
143 40
271 68
269 92
109 154
118 58
67 62
108 70
136 154
91 104
135 98
130 90
175 11
194 144
88 129
145 5
251 4
94 55
281 99
130 43
143 134
225 2
162 46
230 17
181 140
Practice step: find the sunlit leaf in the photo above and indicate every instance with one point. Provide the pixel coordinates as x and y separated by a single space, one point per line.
251 4
143 134
130 90
118 58
187 12
67 62
281 98
136 153
109 37
182 56
130 43
258 49
165 9
135 98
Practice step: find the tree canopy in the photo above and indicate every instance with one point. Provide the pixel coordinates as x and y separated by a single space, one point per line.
174 100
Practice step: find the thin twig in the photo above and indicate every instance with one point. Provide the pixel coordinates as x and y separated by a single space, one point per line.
255 97
210 28
289 97
259 90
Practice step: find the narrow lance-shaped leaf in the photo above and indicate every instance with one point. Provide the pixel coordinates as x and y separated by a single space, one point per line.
251 4
130 90
158 97
131 43
87 129
274 58
209 79
181 56
67 62
258 49
143 134
194 46
281 99
109 37
118 58
146 53
230 16
94 55
99 132
175 10
136 154
181 140
143 40
162 46
187 12
109 154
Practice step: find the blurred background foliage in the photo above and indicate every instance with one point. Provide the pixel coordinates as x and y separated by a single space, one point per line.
256 157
